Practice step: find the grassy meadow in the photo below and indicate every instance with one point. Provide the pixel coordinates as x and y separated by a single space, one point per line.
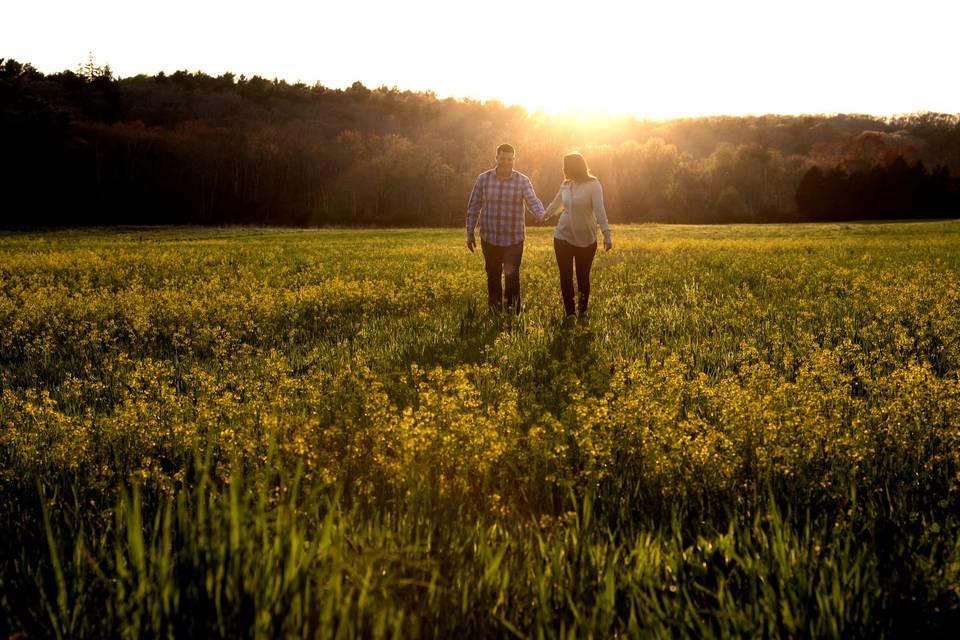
324 433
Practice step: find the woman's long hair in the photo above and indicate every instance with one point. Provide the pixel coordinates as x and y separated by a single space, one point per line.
575 168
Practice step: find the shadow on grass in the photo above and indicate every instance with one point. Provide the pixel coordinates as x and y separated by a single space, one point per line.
462 339
572 350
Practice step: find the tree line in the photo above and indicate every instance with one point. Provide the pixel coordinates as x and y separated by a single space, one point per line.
83 147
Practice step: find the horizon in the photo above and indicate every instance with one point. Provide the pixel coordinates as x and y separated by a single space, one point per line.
685 59
583 116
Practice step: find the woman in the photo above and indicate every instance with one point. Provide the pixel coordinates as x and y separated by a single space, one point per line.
575 239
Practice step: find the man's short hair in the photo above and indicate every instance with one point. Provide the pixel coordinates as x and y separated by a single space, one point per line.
506 148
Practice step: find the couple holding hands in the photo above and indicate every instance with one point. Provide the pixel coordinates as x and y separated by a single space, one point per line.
497 201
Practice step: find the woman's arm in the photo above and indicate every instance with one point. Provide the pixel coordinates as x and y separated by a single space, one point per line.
556 205
601 214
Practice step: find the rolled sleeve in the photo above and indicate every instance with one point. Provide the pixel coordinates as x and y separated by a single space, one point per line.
533 202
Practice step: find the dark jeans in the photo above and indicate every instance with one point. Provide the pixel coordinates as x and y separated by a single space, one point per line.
567 254
503 261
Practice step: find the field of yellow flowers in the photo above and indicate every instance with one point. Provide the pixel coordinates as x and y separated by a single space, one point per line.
301 433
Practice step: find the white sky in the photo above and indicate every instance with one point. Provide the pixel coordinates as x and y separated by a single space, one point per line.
653 59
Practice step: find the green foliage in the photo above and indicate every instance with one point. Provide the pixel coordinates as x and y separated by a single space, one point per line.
222 433
193 148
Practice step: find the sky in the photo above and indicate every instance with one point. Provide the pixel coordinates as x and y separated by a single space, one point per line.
677 58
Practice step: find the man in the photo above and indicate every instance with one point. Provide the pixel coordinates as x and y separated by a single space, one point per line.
497 200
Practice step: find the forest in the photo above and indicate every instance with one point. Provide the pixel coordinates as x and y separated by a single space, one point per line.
83 147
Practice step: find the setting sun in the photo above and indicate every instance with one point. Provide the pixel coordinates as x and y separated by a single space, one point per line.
583 318
652 60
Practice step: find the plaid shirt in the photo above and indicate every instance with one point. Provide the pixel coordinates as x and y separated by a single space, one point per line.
501 204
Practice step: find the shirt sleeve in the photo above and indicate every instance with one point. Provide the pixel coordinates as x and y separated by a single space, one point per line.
556 205
598 209
473 207
533 202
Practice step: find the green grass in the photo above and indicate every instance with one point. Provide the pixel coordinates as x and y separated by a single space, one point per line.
266 433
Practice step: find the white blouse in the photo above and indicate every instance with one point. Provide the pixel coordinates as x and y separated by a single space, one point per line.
582 206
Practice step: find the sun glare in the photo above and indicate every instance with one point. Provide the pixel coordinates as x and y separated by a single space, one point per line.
655 60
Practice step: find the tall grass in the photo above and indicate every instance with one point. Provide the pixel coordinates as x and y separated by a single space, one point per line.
223 433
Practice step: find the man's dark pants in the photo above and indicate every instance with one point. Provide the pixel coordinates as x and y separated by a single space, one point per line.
503 261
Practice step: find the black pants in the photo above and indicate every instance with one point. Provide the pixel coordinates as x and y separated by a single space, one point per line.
503 261
567 255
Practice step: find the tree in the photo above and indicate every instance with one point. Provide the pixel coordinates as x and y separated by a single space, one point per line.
811 193
190 147
730 206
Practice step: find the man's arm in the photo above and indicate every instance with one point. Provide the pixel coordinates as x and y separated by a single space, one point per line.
473 212
533 202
